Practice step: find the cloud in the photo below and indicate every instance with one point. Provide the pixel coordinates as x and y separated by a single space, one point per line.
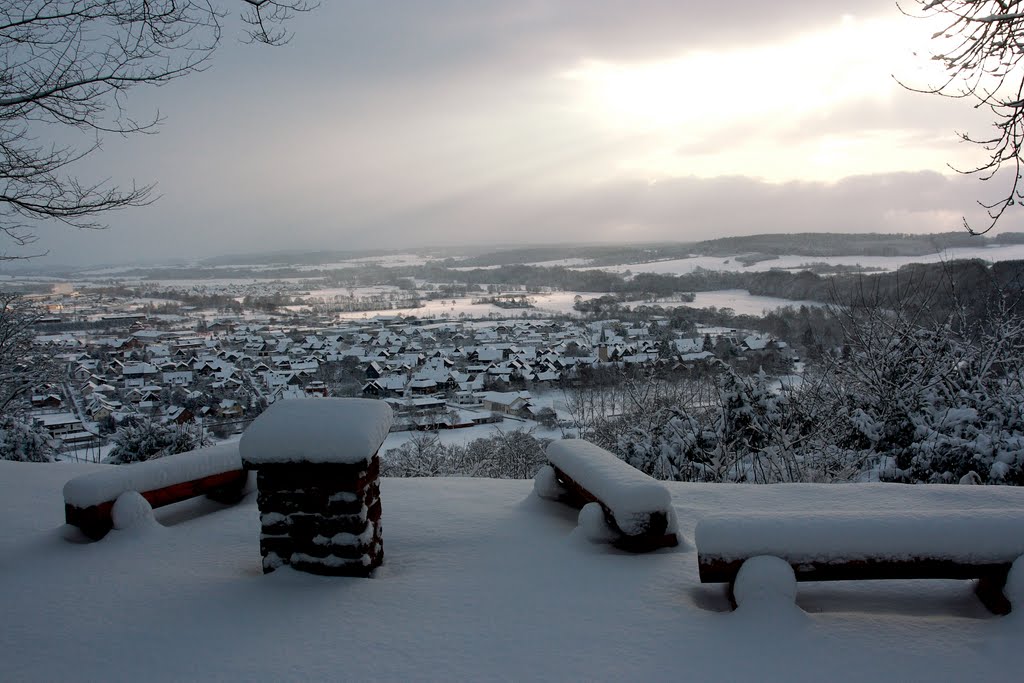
452 122
685 209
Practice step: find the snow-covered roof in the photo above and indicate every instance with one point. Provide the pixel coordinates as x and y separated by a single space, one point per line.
689 345
756 343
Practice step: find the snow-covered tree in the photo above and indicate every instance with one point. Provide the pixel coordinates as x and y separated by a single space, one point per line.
904 398
423 455
23 442
144 439
515 454
23 364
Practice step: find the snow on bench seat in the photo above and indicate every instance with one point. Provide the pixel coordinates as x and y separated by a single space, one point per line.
834 546
215 471
635 505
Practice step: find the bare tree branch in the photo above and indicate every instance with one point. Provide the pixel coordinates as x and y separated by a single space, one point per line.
71 64
980 50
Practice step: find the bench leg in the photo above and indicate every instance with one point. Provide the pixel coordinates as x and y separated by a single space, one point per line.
231 492
989 590
94 521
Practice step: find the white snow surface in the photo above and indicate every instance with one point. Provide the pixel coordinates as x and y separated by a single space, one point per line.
629 493
545 484
970 536
319 430
109 483
131 510
1014 588
592 526
481 581
765 579
990 253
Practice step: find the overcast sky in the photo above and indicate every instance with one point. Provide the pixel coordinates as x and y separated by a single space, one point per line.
542 121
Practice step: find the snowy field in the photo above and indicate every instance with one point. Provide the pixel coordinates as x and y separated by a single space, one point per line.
551 302
561 303
330 293
1008 252
390 260
212 283
743 302
565 262
481 581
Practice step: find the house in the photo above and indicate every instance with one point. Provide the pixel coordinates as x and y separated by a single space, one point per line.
756 343
423 386
179 415
465 398
694 345
374 370
47 400
229 408
316 389
177 379
508 402
390 385
134 372
140 395
59 423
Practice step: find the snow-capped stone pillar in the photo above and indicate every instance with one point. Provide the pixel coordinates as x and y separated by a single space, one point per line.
317 474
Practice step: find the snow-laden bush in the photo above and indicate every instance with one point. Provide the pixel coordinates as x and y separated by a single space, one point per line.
145 439
24 442
746 434
515 454
897 402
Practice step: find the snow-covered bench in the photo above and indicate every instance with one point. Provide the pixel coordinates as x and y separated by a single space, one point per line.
637 507
216 472
838 546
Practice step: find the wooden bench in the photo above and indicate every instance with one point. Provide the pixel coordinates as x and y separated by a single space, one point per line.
637 507
835 546
216 472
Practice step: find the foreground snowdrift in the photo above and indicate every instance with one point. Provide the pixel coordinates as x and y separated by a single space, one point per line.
481 581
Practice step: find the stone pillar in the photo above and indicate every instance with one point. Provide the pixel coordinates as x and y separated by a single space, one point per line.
317 474
321 518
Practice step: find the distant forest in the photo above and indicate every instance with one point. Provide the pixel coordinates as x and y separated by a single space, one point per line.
797 244
974 284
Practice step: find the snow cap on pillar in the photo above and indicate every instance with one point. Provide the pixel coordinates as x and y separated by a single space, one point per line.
343 431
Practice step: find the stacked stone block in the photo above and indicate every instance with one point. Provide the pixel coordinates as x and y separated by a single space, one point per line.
318 479
322 518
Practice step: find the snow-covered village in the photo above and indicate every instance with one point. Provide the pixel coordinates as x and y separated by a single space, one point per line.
555 341
215 371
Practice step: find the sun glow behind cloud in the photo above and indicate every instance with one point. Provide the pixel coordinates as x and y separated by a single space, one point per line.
744 110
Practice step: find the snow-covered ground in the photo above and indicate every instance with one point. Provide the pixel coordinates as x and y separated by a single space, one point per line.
482 581
730 263
743 302
546 302
440 308
565 262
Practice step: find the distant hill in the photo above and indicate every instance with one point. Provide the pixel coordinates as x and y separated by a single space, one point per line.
764 246
844 244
